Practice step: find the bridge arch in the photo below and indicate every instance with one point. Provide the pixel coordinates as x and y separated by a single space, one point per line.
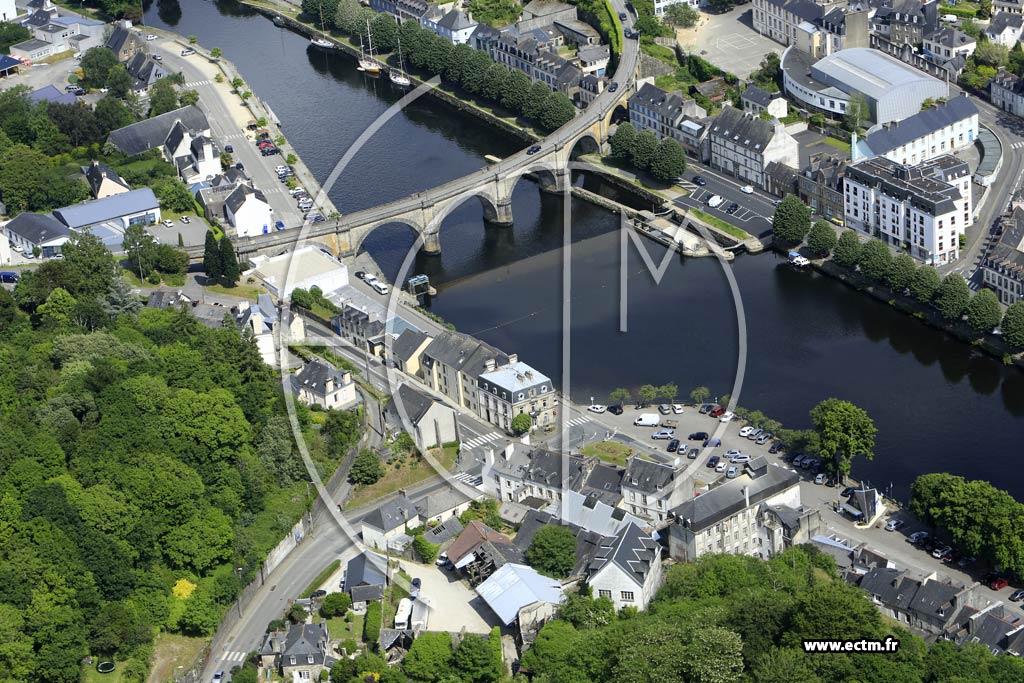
364 232
489 203
585 144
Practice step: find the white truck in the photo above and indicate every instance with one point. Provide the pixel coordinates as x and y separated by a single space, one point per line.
647 420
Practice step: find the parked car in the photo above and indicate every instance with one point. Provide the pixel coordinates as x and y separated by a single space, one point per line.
917 537
622 16
894 525
715 200
732 472
319 593
150 36
699 180
218 677
417 583
185 219
966 561
692 453
187 52
756 434
682 448
698 436
712 443
9 277
831 482
239 166
998 583
297 191
745 431
763 439
677 408
597 408
229 149
706 408
1017 595
663 434
721 467
820 479
717 411
615 410
726 416
279 225
613 87
379 287
732 208
713 460
168 223
157 58
739 459
664 409
672 445
848 491
941 552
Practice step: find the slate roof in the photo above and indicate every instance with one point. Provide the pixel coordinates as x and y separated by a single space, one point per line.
37 228
365 569
632 550
669 106
118 38
462 353
593 53
414 402
935 600
803 9
951 37
926 193
108 208
456 20
239 195
50 93
407 344
1008 252
649 477
886 137
153 132
866 70
758 96
891 586
40 17
743 129
96 173
1004 20
315 374
442 502
591 513
445 531
298 640
728 499
392 514
145 70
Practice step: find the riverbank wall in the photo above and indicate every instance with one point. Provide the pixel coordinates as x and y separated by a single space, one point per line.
292 24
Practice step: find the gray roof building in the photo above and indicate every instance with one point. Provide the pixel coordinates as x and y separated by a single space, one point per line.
916 184
885 137
407 344
239 195
392 514
743 129
50 93
366 577
109 208
760 97
1008 253
37 228
647 476
145 70
729 498
153 132
96 173
632 549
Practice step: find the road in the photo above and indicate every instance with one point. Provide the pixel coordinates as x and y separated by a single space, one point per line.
755 212
228 130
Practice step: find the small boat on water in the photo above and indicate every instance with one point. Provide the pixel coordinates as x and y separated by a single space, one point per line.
797 260
322 42
278 21
367 62
398 76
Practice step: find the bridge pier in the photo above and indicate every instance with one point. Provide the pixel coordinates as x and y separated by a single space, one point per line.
499 214
553 182
432 242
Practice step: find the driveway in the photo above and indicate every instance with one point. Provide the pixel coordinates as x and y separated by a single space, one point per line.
454 605
729 41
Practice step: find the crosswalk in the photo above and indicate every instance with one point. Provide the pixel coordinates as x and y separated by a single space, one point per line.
1017 145
233 136
481 440
233 657
192 84
473 480
577 421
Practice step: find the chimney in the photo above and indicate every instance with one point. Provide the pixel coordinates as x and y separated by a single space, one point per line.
329 384
489 365
489 456
746 495
506 454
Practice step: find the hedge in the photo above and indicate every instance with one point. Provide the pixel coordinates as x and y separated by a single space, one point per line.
964 12
372 624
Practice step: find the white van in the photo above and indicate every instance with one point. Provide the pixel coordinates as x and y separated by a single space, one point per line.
949 18
716 200
379 287
647 420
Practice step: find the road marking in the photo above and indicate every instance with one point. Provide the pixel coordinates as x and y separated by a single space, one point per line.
192 84
1017 145
481 440
233 657
473 480
576 422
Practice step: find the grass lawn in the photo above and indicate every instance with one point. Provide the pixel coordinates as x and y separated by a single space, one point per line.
169 652
843 145
611 452
660 52
245 291
53 59
131 276
727 228
340 630
91 675
408 475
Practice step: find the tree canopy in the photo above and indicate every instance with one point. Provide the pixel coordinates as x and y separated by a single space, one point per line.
791 221
552 551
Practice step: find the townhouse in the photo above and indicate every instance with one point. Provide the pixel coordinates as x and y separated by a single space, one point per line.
1006 91
515 389
946 128
1003 265
452 364
923 208
743 145
820 185
627 568
319 383
650 489
1005 29
669 115
755 101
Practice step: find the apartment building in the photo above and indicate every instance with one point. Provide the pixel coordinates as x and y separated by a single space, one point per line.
820 185
661 112
533 54
946 128
1007 92
1005 29
948 42
923 208
452 364
755 101
820 28
741 516
743 145
626 568
649 489
455 26
1003 267
515 389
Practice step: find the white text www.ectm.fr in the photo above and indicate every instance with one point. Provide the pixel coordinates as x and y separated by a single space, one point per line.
890 644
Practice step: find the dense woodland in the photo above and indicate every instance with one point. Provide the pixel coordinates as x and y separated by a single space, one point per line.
144 458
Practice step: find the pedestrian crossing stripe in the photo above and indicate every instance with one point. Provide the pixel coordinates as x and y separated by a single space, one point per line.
233 657
578 421
1017 145
481 440
469 479
192 84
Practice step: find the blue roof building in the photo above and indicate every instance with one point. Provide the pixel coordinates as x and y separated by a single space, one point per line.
51 94
121 210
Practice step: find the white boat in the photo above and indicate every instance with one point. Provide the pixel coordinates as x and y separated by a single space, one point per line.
398 76
322 42
366 60
797 260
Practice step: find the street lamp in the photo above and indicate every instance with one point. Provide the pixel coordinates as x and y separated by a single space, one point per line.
138 254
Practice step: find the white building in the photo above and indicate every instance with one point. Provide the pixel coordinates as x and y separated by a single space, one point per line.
1007 92
455 26
924 208
627 569
661 5
8 10
28 232
430 423
593 59
668 114
742 516
1003 266
201 162
948 42
321 384
946 128
650 489
755 101
743 145
452 364
1005 28
515 389
136 207
248 212
303 268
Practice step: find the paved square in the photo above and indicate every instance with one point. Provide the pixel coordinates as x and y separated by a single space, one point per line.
729 41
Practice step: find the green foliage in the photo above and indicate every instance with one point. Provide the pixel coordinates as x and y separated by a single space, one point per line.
822 238
983 311
682 15
900 273
211 257
844 432
372 624
425 550
952 296
620 396
229 268
96 65
474 660
791 221
558 110
1012 326
315 9
10 34
875 259
495 12
366 468
669 160
521 423
924 283
485 510
700 394
858 112
643 149
584 612
162 97
552 551
31 184
430 657
991 54
335 605
767 74
622 141
648 24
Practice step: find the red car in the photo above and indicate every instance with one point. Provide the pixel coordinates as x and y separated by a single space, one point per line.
998 583
717 411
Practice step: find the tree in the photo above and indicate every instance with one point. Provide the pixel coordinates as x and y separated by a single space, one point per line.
620 396
700 395
174 196
140 248
822 238
297 613
96 65
230 271
426 550
669 161
857 112
430 657
847 250
162 97
584 612
647 394
515 91
534 105
188 97
622 141
558 110
119 81
845 431
11 34
874 260
111 114
900 273
521 424
668 392
984 9
924 283
216 53
89 267
643 149
952 296
552 551
767 73
983 311
791 222
56 311
385 32
335 605
366 468
475 660
1012 326
372 623
211 257
991 54
682 15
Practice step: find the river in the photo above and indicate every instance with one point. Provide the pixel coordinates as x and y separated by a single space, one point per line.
939 405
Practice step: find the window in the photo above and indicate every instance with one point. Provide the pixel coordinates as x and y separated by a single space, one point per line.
627 596
602 593
304 674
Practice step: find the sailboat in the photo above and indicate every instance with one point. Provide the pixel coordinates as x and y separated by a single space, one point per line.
398 76
367 62
322 40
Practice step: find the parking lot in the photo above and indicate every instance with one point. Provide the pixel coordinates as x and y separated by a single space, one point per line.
454 605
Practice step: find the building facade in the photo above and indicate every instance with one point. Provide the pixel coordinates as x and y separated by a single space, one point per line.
515 389
820 186
650 489
946 128
452 364
923 208
742 145
627 569
1003 266
1007 92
